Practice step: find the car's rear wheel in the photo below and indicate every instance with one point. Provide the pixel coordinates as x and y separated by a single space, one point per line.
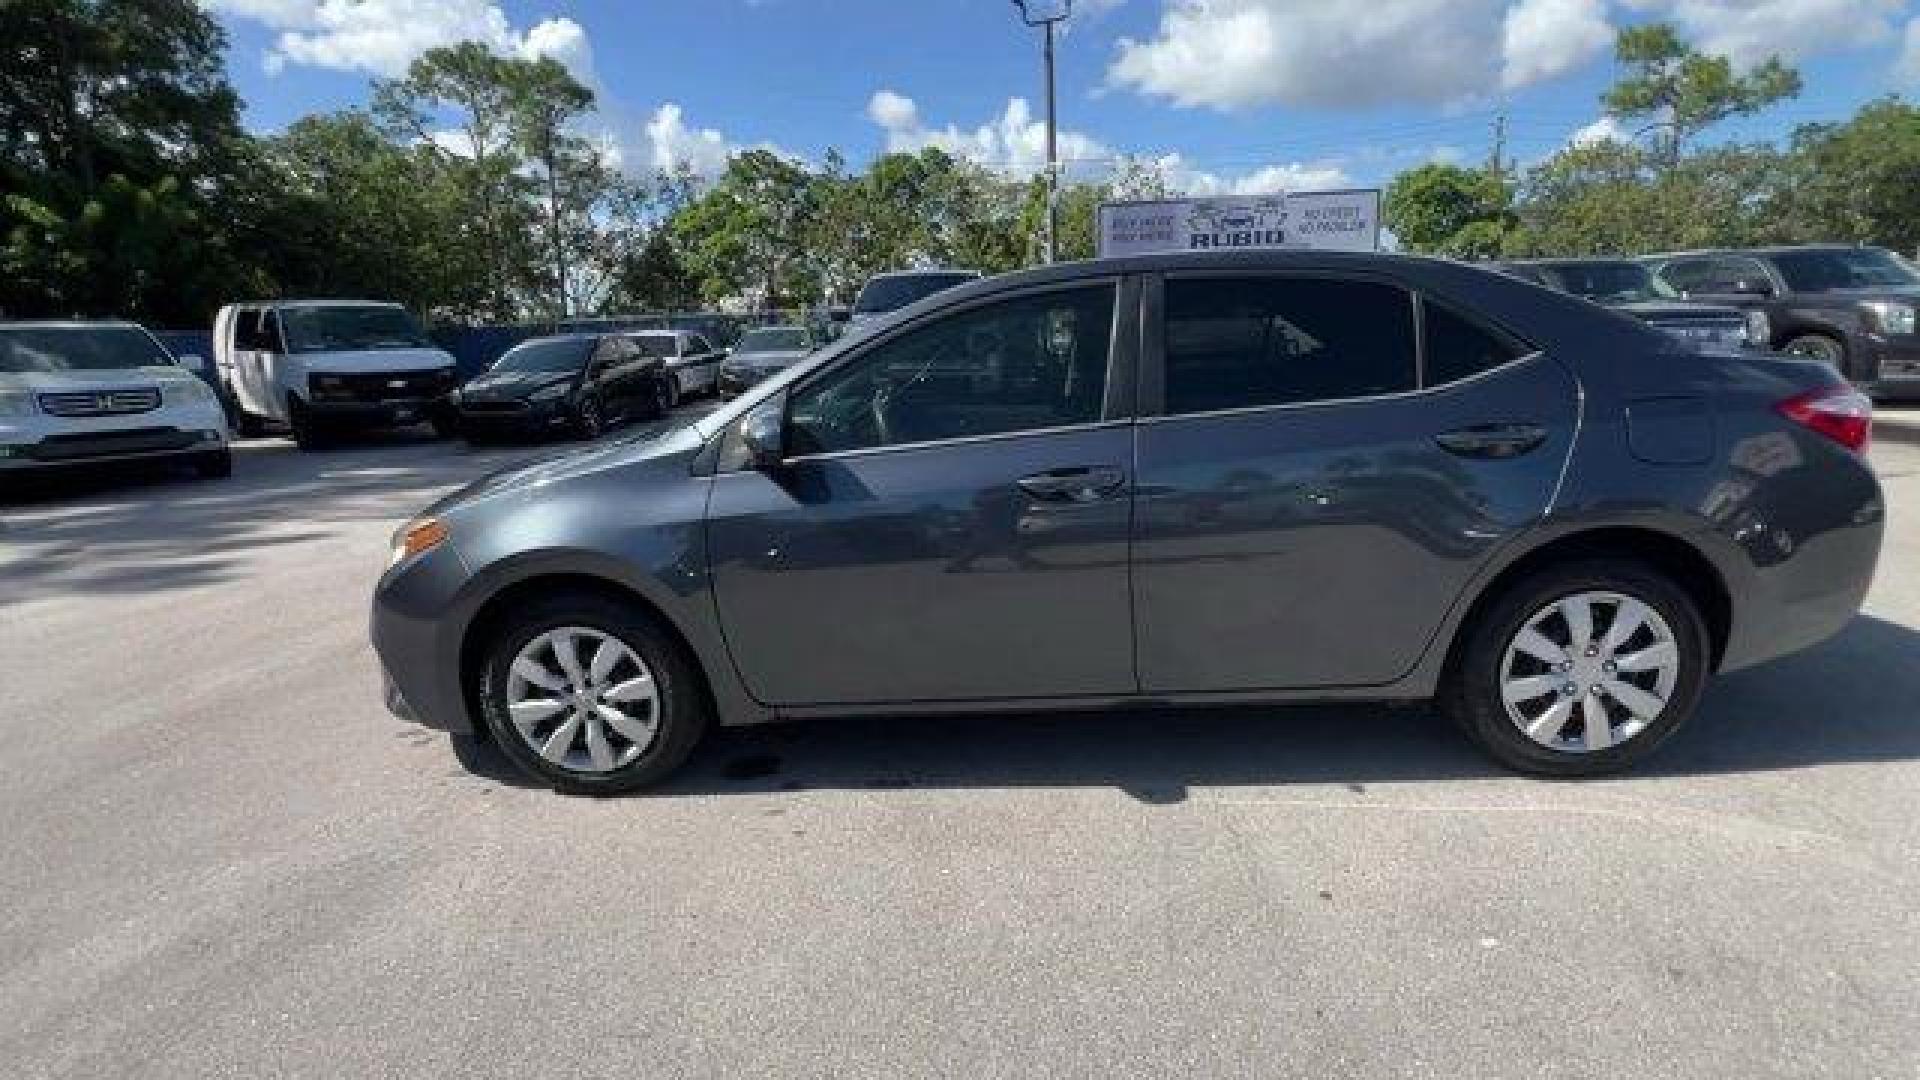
1580 669
590 697
1819 347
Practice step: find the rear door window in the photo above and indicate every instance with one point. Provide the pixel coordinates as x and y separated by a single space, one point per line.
1458 347
1260 341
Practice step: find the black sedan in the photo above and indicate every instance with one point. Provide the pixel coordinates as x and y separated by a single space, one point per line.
578 383
764 352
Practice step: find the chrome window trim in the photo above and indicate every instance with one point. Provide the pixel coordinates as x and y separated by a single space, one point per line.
1400 395
964 440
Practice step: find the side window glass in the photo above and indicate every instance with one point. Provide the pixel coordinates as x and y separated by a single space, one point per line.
270 332
1022 364
1458 348
1242 342
246 329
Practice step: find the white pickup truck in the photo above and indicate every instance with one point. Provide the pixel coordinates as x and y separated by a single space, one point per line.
324 366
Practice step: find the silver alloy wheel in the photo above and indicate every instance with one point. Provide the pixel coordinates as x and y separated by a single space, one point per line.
583 699
1589 671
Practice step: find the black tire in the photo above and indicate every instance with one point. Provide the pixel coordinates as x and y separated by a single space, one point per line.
684 713
307 433
1471 692
214 464
588 419
1828 351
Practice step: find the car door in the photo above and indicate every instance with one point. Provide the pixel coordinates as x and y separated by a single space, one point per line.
950 521
256 352
602 380
702 363
1316 488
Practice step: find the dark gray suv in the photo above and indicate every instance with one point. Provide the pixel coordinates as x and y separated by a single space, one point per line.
1190 478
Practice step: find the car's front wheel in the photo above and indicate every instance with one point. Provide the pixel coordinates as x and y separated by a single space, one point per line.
1819 347
1580 669
589 696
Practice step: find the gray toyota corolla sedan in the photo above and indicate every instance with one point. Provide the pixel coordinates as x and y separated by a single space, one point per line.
1188 478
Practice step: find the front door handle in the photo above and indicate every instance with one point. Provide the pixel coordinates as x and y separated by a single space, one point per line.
1082 484
1492 440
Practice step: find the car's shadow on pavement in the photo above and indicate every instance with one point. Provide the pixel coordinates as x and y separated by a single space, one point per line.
132 529
1849 700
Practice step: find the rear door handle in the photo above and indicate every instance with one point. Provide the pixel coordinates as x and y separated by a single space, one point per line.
1081 484
1492 440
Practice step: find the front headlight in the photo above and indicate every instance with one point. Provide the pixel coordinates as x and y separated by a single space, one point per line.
17 403
1759 330
186 392
1894 318
416 537
550 393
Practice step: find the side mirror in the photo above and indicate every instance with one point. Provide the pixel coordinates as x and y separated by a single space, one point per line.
762 433
195 363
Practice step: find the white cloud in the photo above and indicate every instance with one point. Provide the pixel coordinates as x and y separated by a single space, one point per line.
1605 129
672 144
382 37
1749 31
1229 53
1907 70
1542 39
1014 142
1185 179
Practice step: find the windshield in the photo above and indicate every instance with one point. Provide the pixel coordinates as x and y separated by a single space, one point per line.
1607 282
551 354
1851 268
655 344
889 293
331 329
775 339
77 348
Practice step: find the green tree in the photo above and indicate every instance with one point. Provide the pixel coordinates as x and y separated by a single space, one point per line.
1858 182
543 100
1445 209
472 84
747 235
1684 91
119 132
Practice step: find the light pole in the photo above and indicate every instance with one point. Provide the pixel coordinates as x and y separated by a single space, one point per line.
1050 13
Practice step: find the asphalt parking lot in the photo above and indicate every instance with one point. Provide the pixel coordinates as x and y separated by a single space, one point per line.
222 857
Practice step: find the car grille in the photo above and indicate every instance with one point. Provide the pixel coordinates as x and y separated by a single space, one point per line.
106 443
101 402
378 386
493 408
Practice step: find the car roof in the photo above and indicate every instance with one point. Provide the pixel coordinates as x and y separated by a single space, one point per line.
1572 260
1777 249
338 302
931 271
65 324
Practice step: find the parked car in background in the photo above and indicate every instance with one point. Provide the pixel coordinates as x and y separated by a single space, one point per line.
324 367
91 392
762 353
692 361
1295 475
1627 286
891 292
578 383
1851 308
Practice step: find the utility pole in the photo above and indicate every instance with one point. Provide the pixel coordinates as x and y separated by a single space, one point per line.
1049 16
1497 160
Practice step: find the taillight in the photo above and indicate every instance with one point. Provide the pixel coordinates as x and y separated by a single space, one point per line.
1841 413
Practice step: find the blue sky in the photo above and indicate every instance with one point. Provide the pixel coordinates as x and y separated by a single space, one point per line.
1228 94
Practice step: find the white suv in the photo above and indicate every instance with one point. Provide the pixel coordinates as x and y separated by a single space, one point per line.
323 366
75 392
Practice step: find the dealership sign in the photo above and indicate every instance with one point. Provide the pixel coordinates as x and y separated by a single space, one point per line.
1337 220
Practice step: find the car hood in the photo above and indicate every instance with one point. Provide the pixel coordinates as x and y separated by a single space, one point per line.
1677 309
648 444
502 385
768 359
112 379
359 360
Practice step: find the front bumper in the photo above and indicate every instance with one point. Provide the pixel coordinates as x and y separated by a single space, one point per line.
525 417
740 380
1896 367
413 627
399 412
108 447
